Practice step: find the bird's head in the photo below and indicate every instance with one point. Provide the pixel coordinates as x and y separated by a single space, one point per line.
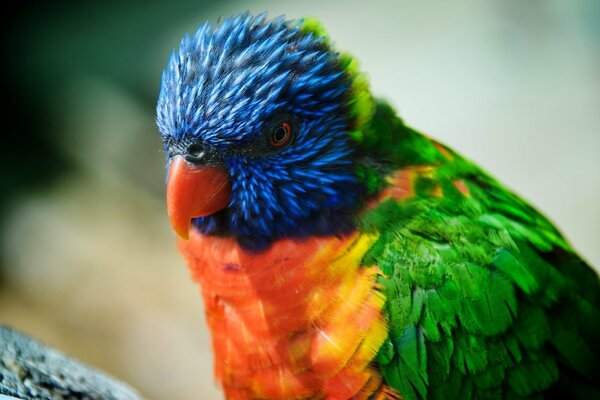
257 119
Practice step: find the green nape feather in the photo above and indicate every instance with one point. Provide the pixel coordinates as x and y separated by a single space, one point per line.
360 101
485 299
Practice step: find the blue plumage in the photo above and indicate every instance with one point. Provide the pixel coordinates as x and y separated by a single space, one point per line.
222 91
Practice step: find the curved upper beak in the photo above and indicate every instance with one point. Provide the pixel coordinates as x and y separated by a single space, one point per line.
194 191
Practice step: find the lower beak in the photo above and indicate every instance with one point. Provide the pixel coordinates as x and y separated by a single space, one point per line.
194 192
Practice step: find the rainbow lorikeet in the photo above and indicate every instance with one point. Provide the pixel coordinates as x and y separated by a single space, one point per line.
342 254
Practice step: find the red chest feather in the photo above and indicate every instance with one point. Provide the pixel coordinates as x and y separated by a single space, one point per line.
299 320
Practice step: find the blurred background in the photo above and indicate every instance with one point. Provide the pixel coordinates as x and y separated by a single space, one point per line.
87 259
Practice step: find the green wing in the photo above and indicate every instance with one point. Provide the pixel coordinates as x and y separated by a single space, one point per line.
485 299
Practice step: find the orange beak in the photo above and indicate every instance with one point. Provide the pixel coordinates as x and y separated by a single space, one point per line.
194 192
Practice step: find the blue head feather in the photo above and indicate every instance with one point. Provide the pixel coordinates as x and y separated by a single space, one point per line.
222 90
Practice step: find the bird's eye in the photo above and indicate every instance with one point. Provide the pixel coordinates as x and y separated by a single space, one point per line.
280 135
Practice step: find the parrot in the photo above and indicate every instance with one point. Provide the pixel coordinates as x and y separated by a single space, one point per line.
342 254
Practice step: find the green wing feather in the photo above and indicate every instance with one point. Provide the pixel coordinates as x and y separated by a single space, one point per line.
485 299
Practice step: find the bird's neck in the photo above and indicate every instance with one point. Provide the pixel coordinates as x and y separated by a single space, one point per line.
302 319
327 221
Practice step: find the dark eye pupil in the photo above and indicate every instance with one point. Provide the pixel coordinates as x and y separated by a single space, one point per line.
280 134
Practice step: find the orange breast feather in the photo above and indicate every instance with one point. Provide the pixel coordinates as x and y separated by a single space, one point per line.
299 320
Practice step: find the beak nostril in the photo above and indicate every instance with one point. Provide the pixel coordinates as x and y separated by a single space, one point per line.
195 153
199 154
194 149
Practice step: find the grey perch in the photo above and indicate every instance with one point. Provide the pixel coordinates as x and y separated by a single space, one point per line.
32 370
